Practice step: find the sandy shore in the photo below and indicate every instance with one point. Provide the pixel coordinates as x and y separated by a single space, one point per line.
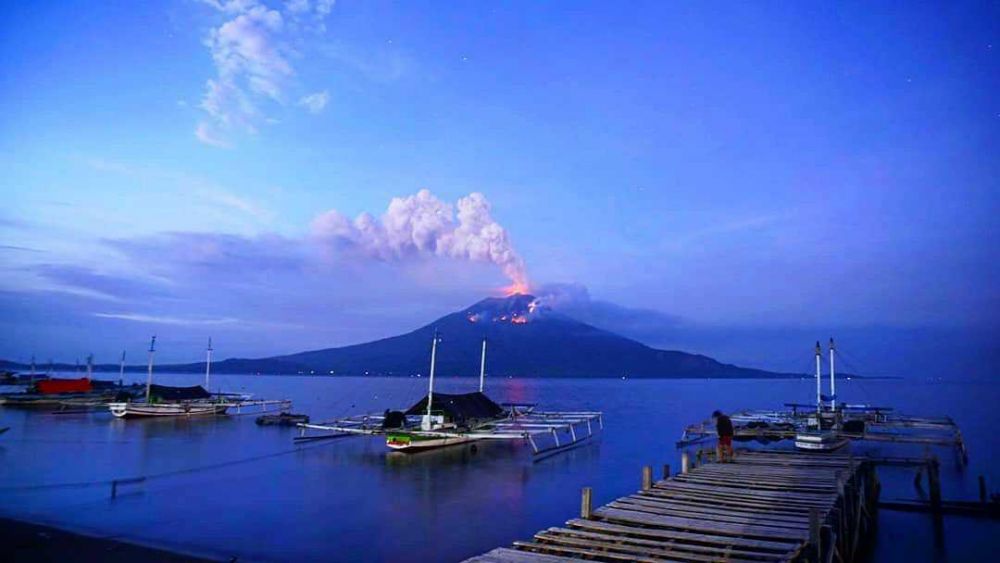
30 542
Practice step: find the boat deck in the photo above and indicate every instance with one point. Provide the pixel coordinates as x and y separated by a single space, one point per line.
771 505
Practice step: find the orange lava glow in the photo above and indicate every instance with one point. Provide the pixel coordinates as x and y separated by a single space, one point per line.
517 288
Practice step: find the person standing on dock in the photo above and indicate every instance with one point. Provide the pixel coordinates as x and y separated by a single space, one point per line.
724 426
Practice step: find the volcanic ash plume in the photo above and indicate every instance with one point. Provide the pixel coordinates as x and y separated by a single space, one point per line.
423 225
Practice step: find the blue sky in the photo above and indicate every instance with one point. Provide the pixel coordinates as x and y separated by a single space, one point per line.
727 170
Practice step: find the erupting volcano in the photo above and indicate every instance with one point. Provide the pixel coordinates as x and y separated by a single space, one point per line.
527 338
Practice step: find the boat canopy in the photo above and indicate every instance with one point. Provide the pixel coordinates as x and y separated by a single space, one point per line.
55 386
460 407
168 393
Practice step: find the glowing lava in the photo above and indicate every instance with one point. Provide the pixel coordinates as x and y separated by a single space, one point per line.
519 287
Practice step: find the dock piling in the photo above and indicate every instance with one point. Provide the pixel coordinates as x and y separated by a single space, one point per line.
647 478
934 483
685 462
666 471
586 505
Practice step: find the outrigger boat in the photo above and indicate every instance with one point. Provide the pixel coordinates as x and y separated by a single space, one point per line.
442 420
168 401
61 393
829 424
822 429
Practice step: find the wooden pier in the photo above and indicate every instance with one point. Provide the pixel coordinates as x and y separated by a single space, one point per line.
773 505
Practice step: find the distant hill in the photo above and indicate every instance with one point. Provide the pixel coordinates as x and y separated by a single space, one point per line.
524 339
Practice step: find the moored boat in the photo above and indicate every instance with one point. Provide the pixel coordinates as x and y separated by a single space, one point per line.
167 401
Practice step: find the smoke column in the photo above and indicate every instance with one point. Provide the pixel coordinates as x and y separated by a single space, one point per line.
423 225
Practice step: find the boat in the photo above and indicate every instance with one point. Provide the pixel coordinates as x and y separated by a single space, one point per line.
167 401
282 419
68 393
441 420
822 428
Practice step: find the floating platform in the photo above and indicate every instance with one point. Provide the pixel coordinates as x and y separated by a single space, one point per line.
772 505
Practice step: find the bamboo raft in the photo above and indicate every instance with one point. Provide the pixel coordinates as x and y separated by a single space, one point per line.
773 505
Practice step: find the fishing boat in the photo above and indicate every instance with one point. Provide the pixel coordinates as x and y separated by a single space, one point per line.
68 393
822 429
167 401
442 420
829 423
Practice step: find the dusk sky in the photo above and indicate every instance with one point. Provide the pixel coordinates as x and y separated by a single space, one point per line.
732 179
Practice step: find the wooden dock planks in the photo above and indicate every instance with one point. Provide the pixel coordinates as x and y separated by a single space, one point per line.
755 510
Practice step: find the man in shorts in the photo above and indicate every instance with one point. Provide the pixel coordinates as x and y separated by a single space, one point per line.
724 427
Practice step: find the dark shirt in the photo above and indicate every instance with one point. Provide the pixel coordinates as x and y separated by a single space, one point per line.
724 426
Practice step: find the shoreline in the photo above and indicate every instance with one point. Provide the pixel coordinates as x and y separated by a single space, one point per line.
29 542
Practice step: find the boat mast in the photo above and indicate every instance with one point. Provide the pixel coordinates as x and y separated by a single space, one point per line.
819 379
430 391
833 380
90 366
149 373
121 369
482 367
208 364
32 365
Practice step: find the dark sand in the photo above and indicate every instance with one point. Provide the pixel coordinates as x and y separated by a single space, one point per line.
31 542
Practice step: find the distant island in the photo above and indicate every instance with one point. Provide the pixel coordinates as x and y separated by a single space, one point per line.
525 339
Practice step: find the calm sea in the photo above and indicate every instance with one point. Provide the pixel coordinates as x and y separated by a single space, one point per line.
225 487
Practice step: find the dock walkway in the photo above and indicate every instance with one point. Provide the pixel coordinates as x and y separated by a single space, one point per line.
774 505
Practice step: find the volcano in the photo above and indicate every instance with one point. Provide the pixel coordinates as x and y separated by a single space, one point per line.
526 339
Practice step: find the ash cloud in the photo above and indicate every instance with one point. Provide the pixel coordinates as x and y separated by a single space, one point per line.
422 225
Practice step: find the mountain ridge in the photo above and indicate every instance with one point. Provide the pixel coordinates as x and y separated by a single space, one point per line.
525 338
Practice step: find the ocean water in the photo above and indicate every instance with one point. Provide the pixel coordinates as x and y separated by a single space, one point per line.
224 487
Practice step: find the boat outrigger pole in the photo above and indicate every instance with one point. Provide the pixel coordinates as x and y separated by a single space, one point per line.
149 373
819 379
833 380
208 364
430 392
482 367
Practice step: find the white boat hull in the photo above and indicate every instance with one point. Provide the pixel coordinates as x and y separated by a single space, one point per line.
427 443
187 409
819 442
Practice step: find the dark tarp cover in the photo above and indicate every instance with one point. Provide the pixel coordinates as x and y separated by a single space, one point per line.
167 393
459 407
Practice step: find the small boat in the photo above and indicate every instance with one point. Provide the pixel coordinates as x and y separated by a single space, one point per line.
282 419
442 420
167 401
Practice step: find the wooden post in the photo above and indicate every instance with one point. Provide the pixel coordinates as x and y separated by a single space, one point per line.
814 530
647 478
586 507
982 489
666 471
685 462
934 483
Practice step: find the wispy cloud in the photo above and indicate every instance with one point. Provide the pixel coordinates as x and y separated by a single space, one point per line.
736 226
252 51
188 185
19 248
156 319
315 102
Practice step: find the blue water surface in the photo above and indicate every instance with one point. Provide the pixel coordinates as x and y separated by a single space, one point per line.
224 487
